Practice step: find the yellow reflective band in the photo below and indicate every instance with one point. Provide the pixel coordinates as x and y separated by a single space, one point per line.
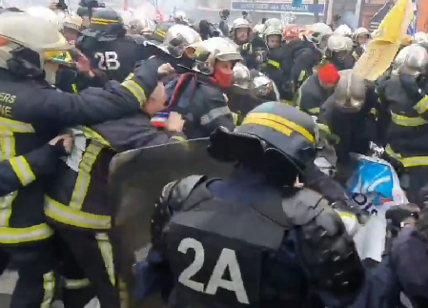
91 134
302 76
274 63
130 76
49 290
23 235
314 110
101 21
161 33
75 284
74 87
413 161
178 138
288 102
84 175
106 250
22 170
406 121
422 105
279 124
72 217
7 151
16 126
136 90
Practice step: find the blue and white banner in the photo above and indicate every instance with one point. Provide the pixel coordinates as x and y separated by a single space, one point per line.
412 27
275 7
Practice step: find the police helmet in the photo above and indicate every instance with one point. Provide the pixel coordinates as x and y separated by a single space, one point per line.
214 49
107 22
28 42
271 130
159 32
177 39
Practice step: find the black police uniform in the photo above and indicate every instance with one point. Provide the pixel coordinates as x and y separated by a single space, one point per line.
107 46
32 113
248 242
77 205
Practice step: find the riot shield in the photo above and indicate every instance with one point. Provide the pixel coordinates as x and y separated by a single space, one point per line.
136 180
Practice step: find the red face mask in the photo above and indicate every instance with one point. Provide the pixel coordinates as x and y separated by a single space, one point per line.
223 77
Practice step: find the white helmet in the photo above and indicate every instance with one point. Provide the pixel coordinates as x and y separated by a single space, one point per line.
420 37
34 33
343 30
337 43
359 32
317 32
46 14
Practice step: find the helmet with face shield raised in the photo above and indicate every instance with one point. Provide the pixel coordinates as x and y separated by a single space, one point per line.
214 49
263 87
33 40
177 39
411 60
272 31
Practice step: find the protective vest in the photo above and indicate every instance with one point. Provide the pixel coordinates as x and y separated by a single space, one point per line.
218 252
408 130
78 198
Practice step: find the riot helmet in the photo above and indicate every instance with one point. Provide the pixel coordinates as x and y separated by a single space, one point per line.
177 40
28 44
272 37
160 32
274 138
106 25
263 87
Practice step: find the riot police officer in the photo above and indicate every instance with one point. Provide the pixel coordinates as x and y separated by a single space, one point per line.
32 112
253 238
107 46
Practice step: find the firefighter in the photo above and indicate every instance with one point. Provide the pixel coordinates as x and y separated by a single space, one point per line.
32 112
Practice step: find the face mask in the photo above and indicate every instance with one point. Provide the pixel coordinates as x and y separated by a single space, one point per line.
223 77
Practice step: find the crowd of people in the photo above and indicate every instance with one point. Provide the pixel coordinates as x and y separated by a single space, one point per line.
78 88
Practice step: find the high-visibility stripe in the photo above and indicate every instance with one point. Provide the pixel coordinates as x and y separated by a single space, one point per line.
49 290
74 217
214 114
413 161
135 90
275 64
16 126
102 21
278 123
22 235
22 170
7 149
75 284
407 121
106 250
422 105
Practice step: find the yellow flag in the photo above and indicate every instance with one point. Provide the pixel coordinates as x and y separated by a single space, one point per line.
382 49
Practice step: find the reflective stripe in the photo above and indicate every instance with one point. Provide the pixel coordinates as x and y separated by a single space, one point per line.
7 147
316 110
123 294
278 123
214 114
413 161
235 118
178 138
49 289
130 76
136 90
106 250
22 170
74 87
406 121
73 217
422 105
20 235
84 177
16 126
274 63
74 284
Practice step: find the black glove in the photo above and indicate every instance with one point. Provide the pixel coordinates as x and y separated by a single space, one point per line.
411 86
